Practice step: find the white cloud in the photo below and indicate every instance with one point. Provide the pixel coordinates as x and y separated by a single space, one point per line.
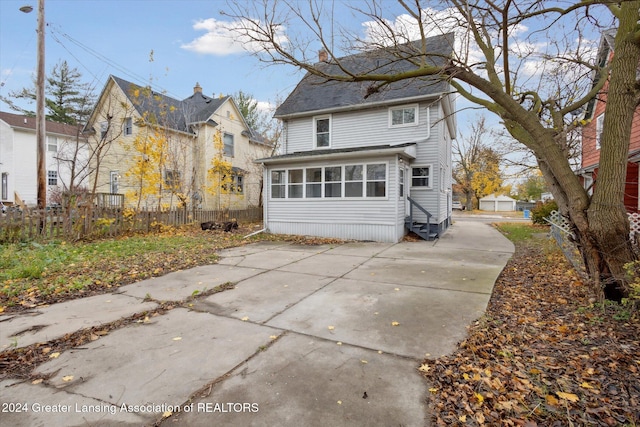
228 37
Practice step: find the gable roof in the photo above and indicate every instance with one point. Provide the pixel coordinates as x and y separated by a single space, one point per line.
28 122
604 50
314 94
176 114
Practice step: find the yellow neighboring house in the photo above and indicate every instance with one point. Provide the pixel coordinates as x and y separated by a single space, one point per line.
159 151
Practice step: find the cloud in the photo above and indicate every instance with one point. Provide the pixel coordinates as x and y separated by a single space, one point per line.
229 37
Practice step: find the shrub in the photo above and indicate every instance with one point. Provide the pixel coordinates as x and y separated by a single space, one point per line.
542 210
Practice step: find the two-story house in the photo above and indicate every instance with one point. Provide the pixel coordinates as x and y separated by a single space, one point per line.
364 164
184 140
65 151
592 133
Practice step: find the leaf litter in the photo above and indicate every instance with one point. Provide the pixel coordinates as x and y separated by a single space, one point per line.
543 354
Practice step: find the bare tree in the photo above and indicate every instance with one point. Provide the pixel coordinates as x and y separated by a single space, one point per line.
528 62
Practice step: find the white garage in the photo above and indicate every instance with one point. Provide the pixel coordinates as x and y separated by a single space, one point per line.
494 203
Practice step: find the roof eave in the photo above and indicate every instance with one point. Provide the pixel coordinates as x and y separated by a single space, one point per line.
407 151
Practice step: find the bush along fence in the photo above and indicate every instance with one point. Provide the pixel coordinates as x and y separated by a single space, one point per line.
92 222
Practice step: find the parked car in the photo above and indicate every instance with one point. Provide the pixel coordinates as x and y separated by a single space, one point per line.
456 205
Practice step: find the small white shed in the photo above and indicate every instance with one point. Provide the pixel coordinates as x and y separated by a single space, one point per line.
494 203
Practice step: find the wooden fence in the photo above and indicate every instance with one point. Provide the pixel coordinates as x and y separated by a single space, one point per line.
93 222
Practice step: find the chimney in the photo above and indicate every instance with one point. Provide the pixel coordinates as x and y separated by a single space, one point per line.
197 88
323 56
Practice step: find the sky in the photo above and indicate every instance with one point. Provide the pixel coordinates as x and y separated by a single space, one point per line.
103 37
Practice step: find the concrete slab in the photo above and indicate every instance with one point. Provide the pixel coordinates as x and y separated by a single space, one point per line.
367 249
432 273
326 264
316 249
51 322
250 249
304 381
41 406
273 258
180 285
427 250
160 363
362 313
261 297
474 235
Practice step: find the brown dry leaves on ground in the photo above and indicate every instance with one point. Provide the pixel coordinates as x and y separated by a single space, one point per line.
542 355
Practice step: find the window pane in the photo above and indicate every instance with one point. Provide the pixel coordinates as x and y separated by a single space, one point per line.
332 190
322 126
314 175
322 140
277 177
353 189
295 176
333 173
420 182
353 173
295 191
376 189
228 144
409 115
396 117
376 172
314 190
277 191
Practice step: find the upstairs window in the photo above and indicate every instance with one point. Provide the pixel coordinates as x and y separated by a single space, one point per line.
228 144
421 177
128 126
52 144
406 115
104 128
599 129
322 132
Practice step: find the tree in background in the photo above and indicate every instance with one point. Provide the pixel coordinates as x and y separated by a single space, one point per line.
527 62
220 174
532 187
476 164
68 99
147 159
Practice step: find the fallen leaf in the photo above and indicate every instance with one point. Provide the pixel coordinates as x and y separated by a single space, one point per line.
364 362
479 397
586 385
331 328
395 323
339 402
396 289
54 355
424 368
245 318
38 381
551 400
177 338
46 350
462 418
166 414
273 337
94 337
67 378
567 396
433 390
339 343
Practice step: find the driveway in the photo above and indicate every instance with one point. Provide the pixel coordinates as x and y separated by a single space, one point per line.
309 335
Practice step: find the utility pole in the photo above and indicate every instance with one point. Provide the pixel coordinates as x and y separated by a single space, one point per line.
40 116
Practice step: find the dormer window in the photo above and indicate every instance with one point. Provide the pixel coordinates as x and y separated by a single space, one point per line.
322 132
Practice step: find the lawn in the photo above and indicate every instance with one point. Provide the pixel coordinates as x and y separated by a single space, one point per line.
33 274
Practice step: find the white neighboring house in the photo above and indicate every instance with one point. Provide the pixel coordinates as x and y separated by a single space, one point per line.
362 164
18 154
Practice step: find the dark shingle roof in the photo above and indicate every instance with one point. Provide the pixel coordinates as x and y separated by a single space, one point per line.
168 111
314 93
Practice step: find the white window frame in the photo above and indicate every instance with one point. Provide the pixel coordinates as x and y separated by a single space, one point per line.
429 186
416 109
52 144
315 132
599 129
52 178
282 185
127 127
232 146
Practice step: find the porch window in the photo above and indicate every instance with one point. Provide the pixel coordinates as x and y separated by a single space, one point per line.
322 131
314 182
376 180
295 184
353 181
406 115
421 176
278 184
599 128
333 181
401 182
